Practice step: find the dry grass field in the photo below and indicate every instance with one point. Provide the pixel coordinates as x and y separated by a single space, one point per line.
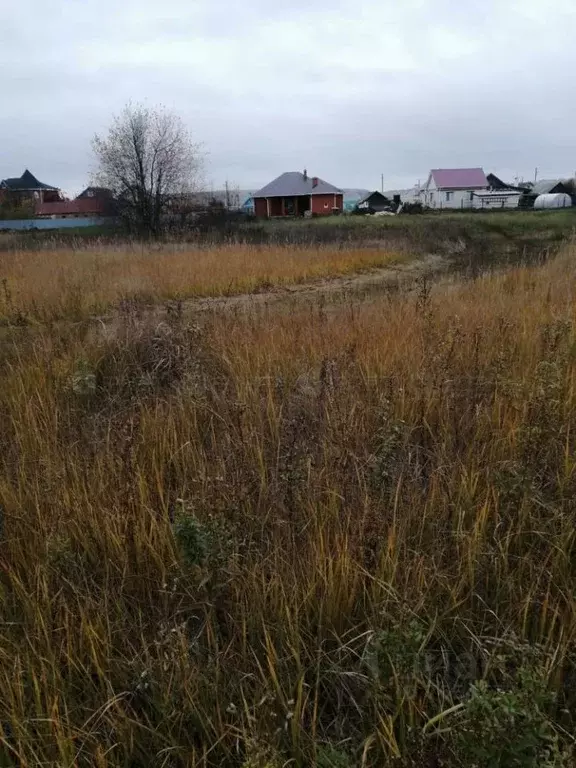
319 538
73 283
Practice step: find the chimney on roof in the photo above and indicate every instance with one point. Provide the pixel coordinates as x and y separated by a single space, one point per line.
315 181
305 174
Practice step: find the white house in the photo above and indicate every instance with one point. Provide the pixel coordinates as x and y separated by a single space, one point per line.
453 187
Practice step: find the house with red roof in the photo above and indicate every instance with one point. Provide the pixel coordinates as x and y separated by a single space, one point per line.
453 187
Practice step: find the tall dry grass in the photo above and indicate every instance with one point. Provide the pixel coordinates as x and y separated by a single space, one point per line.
338 538
66 283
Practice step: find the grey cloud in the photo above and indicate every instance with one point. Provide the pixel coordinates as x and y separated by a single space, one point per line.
350 90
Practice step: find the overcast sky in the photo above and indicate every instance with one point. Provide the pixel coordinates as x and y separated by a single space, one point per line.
349 90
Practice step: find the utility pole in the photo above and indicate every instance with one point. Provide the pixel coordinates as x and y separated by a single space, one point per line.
535 175
382 183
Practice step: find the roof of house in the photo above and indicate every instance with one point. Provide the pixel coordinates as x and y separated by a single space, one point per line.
25 182
80 206
496 183
459 178
294 184
91 192
546 186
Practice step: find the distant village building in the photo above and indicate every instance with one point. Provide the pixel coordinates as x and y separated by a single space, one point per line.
27 188
532 191
551 187
93 202
496 198
352 196
453 187
96 193
248 206
374 202
410 195
297 194
230 199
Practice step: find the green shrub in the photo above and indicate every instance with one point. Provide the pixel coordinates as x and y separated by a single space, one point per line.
193 540
510 728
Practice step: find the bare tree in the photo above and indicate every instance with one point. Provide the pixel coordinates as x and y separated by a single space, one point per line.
149 161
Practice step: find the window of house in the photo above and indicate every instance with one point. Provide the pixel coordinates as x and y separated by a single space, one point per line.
471 195
448 196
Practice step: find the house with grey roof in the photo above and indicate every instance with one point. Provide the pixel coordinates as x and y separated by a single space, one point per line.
27 187
298 194
453 187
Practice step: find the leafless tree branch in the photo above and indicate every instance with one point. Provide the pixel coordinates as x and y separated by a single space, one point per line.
147 159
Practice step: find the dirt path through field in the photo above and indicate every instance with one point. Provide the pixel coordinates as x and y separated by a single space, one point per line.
368 282
330 290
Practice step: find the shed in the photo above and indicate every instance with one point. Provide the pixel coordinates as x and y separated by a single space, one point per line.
352 197
374 203
496 198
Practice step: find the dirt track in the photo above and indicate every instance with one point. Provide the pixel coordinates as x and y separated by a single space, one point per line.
329 290
369 282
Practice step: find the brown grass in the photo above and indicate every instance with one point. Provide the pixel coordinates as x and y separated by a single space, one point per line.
45 284
295 539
